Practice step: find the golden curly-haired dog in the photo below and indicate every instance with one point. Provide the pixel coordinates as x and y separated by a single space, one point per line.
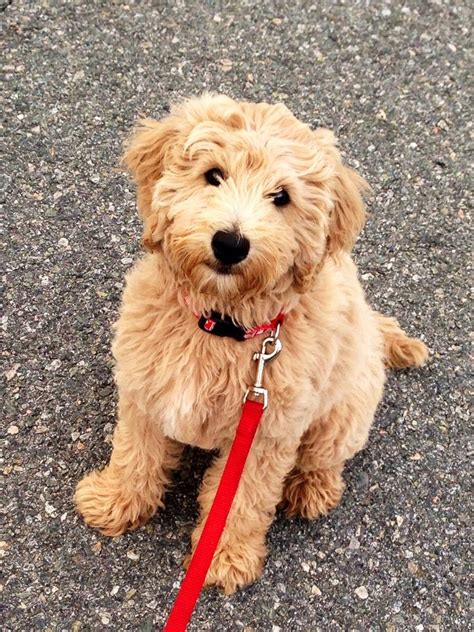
247 213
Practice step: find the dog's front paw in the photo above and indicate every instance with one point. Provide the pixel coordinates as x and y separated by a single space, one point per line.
106 504
312 494
235 565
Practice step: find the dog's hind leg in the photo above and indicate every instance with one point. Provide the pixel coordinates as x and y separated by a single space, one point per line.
315 485
401 351
127 492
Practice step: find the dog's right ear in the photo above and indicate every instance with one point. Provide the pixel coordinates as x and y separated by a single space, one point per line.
145 156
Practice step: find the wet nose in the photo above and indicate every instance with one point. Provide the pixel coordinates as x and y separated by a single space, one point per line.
229 247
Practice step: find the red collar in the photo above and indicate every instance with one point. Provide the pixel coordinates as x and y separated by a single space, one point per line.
224 326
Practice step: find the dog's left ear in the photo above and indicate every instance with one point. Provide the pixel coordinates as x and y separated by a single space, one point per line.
145 155
348 214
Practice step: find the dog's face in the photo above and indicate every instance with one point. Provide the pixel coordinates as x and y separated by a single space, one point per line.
242 198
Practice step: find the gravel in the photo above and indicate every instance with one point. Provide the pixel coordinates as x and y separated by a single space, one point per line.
392 79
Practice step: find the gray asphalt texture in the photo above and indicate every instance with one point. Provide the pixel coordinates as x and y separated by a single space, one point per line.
392 79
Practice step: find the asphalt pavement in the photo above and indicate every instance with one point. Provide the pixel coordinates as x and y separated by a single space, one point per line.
392 80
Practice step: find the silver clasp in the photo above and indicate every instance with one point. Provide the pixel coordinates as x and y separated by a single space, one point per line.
263 356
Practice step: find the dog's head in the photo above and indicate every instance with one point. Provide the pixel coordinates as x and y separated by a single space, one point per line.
242 198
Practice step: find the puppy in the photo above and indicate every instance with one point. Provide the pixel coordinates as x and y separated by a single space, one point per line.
248 214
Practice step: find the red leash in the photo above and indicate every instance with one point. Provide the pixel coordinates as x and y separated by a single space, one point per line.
196 574
215 522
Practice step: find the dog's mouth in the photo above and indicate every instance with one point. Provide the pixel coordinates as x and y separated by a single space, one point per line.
222 269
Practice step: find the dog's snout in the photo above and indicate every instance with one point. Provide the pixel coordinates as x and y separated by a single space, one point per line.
230 247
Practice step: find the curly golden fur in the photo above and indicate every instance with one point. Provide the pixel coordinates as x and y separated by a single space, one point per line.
179 385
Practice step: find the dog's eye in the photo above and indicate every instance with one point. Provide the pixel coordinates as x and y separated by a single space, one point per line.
281 198
214 177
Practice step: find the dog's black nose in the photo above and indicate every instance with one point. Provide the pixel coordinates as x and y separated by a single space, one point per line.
230 248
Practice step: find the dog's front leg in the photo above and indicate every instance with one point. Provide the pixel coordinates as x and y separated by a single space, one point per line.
241 552
127 492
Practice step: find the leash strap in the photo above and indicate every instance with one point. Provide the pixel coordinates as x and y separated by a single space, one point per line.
196 574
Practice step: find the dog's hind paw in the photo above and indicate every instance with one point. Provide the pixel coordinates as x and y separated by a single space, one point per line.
312 494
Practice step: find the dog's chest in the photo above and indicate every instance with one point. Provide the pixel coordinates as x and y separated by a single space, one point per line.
191 382
200 404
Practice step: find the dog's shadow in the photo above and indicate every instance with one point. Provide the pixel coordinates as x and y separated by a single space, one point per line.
181 497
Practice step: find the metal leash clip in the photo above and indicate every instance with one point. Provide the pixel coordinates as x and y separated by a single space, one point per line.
263 356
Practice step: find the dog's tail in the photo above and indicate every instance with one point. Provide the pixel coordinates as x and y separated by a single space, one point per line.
401 351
